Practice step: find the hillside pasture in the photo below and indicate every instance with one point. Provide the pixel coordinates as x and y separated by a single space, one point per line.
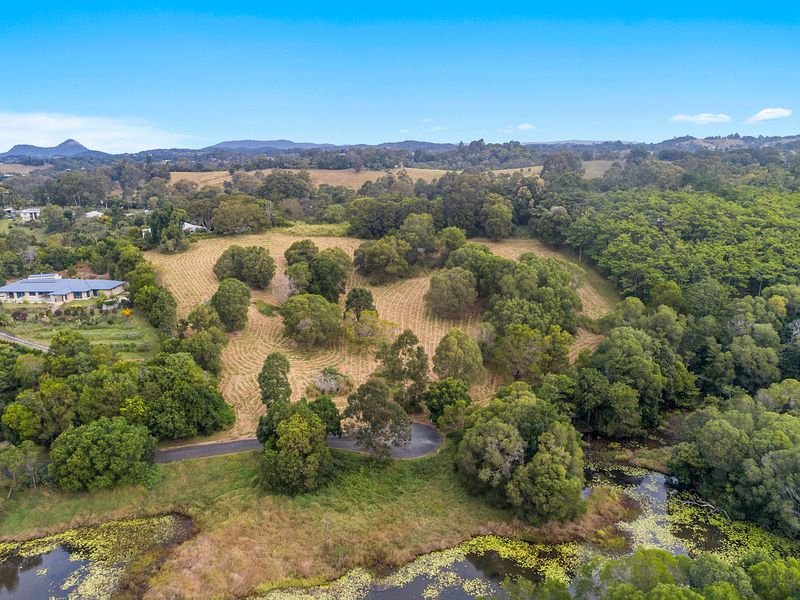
349 178
353 179
190 277
592 169
18 169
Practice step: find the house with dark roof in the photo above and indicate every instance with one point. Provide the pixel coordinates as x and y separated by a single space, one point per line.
52 289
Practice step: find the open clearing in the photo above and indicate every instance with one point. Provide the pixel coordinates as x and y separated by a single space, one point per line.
354 180
190 277
18 169
344 177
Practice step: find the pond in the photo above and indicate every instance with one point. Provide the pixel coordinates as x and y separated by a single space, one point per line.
93 562
486 566
88 562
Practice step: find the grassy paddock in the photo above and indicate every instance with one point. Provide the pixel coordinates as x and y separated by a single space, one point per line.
373 516
317 229
190 277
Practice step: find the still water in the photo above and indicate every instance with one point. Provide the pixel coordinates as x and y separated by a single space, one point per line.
484 567
83 563
91 562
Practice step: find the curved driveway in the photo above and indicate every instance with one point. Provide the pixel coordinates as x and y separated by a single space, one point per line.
7 337
425 440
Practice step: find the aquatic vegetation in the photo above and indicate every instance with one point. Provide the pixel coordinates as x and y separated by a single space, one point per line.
667 520
102 553
549 562
709 531
447 570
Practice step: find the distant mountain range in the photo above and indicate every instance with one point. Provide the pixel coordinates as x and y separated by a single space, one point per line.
71 148
66 148
284 145
265 145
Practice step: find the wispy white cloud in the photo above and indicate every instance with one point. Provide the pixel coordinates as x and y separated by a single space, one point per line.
427 120
437 128
768 114
108 134
404 131
520 127
701 119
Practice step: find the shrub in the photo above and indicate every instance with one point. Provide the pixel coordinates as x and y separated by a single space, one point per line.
446 393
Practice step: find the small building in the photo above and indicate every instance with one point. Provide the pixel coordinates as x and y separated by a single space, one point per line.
8 213
93 214
191 228
28 215
50 288
146 231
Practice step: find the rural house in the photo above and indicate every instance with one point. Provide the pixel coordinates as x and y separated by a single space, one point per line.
29 214
52 289
191 228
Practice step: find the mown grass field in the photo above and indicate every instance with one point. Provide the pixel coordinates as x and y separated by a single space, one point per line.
190 277
372 516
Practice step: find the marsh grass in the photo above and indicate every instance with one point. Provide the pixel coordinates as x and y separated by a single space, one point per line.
369 515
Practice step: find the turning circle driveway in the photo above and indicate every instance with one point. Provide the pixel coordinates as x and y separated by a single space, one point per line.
425 440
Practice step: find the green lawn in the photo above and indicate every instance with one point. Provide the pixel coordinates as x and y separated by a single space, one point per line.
120 335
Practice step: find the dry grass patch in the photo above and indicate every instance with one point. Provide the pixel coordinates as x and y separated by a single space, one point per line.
18 169
341 177
593 169
526 171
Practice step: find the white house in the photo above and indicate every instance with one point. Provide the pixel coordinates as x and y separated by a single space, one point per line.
93 214
29 214
52 289
191 228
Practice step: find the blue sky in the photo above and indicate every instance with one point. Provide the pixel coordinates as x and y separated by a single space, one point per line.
196 73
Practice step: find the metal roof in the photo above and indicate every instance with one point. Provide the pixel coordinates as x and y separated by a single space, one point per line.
60 287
